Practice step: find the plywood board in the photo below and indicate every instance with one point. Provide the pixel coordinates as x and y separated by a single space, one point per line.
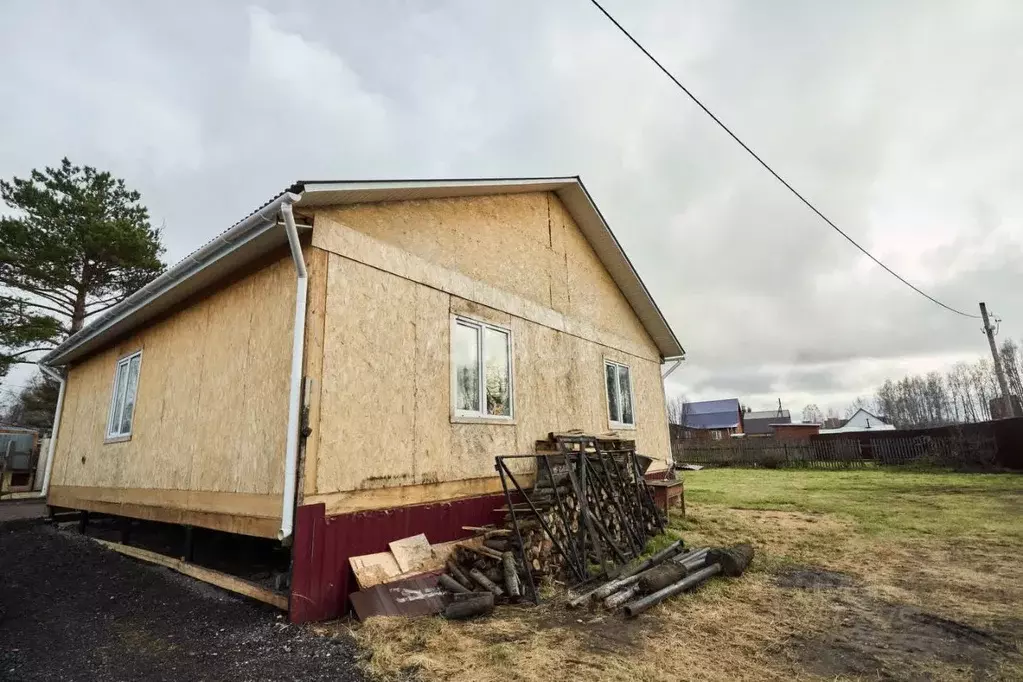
212 399
375 569
410 552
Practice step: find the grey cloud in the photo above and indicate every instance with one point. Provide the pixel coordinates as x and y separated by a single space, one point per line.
900 120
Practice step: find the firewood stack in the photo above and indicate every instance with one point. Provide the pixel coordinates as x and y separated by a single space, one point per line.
588 513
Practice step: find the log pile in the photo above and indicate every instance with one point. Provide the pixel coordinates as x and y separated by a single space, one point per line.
588 514
664 575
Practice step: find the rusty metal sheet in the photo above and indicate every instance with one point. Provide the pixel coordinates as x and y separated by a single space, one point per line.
416 596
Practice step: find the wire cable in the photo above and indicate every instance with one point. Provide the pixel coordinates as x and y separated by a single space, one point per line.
772 171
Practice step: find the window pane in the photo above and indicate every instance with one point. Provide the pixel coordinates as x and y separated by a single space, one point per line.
466 358
498 372
612 393
129 394
625 386
118 398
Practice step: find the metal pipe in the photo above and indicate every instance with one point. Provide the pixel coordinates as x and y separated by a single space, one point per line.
671 369
295 388
640 605
50 372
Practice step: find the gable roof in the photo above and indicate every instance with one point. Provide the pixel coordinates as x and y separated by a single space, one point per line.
255 236
713 414
756 423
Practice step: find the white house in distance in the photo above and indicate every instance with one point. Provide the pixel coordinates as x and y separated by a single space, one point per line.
862 421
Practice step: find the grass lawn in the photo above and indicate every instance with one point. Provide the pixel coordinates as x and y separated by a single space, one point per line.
868 574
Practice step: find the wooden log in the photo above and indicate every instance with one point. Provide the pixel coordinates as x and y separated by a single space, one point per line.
457 573
618 598
659 577
483 551
486 583
501 546
451 585
481 604
511 576
734 560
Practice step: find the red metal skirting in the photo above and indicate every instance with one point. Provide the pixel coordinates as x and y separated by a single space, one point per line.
321 578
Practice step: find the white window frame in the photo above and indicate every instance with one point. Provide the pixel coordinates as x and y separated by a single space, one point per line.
607 397
481 414
113 432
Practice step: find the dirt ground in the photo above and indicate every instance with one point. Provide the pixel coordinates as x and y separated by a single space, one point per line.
72 610
861 575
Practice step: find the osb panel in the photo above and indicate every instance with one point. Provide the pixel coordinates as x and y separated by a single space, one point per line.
316 263
354 245
526 244
386 397
368 379
431 427
212 399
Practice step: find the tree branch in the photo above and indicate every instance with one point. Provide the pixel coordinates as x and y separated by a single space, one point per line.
106 307
34 305
29 350
49 296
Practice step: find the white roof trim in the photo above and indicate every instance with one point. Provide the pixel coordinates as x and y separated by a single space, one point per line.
255 236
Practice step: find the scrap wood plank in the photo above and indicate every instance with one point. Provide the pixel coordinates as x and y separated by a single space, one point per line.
375 569
411 552
207 575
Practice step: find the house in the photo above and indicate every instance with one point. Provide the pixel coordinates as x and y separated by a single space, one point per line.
712 420
861 420
760 424
339 369
795 431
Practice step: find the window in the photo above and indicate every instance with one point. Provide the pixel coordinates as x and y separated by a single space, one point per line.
481 370
716 435
619 394
122 404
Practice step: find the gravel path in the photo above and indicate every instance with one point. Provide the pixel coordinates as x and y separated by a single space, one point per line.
71 610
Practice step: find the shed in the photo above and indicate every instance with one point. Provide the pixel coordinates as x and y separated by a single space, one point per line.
340 368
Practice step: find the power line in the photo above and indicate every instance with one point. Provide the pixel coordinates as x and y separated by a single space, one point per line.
772 171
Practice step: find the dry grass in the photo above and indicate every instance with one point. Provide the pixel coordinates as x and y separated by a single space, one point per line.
909 572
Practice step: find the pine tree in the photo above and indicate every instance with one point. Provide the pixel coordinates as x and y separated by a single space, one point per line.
78 243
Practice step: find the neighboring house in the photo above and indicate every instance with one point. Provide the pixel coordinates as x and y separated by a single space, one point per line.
861 421
795 431
339 369
759 424
712 419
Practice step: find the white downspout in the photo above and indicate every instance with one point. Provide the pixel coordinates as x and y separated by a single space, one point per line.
56 428
295 389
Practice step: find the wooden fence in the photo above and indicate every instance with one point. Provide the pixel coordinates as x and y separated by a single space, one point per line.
957 450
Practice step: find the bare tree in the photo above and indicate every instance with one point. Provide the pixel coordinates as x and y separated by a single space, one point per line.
812 414
678 410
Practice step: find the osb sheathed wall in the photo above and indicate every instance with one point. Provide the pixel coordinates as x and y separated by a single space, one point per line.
395 275
208 434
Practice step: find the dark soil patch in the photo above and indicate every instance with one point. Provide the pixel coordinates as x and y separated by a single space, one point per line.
72 610
810 578
882 641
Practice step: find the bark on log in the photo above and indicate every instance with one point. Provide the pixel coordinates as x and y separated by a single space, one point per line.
734 560
511 576
498 545
484 582
619 598
481 604
450 584
459 575
659 577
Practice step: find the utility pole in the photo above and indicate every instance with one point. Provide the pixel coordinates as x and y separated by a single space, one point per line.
1008 409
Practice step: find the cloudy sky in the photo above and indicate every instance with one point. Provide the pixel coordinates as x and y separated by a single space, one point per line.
902 120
